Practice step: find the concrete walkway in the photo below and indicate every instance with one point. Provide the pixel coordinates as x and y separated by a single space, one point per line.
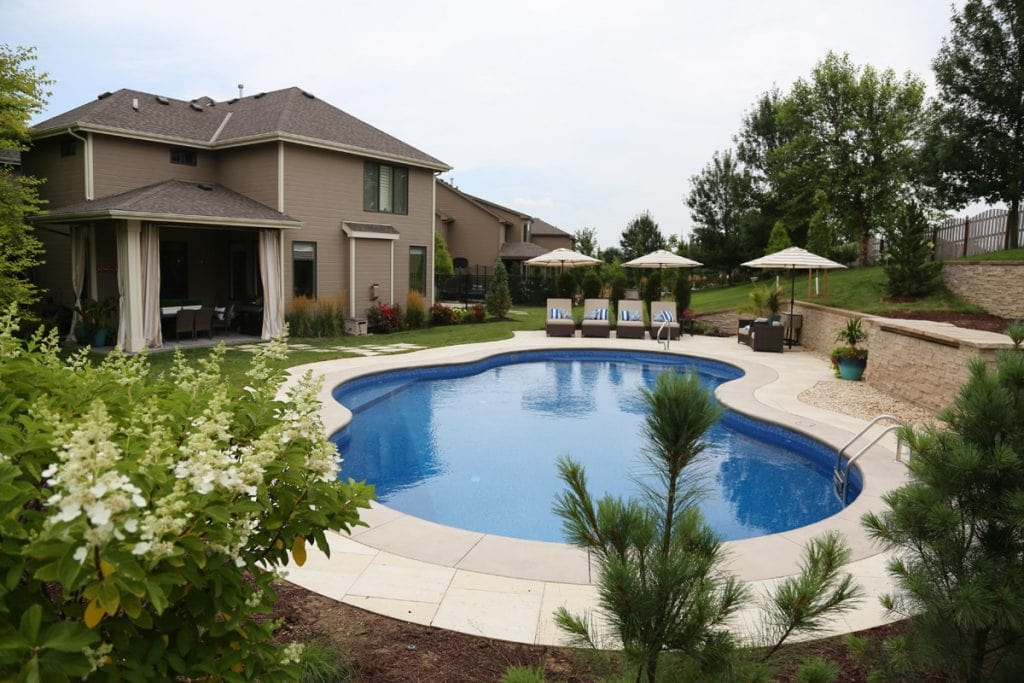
506 588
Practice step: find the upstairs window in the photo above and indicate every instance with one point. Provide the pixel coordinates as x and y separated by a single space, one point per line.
385 188
68 148
183 156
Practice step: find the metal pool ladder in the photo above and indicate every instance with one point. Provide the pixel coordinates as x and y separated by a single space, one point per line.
668 338
841 476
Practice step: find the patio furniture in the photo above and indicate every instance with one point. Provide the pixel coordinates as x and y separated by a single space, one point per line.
184 323
793 323
202 322
223 317
663 313
595 318
630 322
761 335
560 322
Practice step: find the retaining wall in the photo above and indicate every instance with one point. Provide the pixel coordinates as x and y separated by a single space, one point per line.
998 287
919 361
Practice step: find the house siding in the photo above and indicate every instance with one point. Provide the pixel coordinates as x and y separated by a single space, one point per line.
473 234
251 171
373 266
55 275
122 164
551 242
64 176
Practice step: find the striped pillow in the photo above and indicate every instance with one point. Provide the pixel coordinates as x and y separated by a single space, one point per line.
665 316
630 316
598 314
558 314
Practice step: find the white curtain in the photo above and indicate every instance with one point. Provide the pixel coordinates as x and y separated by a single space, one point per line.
273 283
150 245
79 243
123 308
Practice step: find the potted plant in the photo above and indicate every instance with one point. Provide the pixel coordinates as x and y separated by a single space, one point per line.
849 360
92 321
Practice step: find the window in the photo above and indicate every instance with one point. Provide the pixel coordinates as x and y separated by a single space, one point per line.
304 269
418 269
183 156
385 188
526 231
68 148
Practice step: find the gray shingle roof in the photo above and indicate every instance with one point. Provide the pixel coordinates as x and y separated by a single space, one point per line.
176 198
376 228
539 227
288 112
520 251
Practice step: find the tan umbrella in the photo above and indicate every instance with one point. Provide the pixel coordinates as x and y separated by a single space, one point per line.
793 258
662 259
562 258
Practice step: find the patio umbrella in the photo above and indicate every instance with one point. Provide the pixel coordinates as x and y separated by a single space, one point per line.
662 259
563 258
793 258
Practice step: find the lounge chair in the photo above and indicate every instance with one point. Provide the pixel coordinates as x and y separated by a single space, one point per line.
664 313
630 322
202 323
761 335
223 317
595 318
560 322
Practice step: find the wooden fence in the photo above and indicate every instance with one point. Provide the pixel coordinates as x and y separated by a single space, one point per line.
974 235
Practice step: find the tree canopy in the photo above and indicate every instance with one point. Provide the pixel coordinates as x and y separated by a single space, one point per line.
641 236
721 203
974 141
584 241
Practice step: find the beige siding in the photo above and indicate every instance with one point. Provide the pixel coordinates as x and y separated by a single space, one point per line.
373 266
550 242
54 275
64 176
323 189
251 171
474 234
121 164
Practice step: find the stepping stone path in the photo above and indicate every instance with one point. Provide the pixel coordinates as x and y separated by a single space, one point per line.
367 350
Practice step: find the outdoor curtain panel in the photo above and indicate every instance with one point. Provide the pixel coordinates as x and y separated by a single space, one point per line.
150 248
273 292
79 241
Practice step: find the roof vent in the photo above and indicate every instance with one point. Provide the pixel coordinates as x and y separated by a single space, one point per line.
104 95
308 94
258 95
195 106
162 100
135 103
206 186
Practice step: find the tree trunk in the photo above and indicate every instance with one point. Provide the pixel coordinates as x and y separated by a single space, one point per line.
1012 225
864 235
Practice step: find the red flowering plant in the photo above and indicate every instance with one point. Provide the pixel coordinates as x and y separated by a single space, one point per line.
477 314
384 318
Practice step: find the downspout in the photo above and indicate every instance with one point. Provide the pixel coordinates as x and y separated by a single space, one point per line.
87 155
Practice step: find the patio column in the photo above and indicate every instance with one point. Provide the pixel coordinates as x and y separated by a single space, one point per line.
129 286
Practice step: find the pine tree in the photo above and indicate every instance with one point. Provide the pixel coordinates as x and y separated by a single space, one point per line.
908 260
779 239
956 530
499 298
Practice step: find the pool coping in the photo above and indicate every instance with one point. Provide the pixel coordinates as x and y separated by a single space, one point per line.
407 567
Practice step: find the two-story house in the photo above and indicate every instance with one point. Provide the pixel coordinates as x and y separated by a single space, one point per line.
481 231
256 200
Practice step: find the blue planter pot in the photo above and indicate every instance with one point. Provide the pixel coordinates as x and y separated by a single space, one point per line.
852 369
99 338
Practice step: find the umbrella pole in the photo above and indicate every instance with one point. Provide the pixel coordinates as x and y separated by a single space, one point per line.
792 289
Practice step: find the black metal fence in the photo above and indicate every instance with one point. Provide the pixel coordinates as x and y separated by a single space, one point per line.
471 284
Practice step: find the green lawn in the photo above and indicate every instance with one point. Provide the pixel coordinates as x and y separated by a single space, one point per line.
1007 255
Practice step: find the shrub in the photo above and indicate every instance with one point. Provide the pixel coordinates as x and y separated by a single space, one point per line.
910 270
323 317
145 519
652 289
477 314
565 286
415 310
681 293
499 299
384 318
592 285
443 315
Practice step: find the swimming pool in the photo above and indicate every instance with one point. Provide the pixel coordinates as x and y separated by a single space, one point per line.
474 445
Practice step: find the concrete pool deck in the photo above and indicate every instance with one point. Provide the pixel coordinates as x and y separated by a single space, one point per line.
498 587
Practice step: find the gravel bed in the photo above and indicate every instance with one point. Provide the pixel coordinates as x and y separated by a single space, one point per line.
860 400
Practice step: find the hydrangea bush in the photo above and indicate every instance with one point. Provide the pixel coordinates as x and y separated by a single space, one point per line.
144 520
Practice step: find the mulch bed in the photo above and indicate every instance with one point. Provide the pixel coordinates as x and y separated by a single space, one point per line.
983 321
384 650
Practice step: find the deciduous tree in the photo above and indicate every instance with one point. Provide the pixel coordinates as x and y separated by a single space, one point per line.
641 236
584 241
720 202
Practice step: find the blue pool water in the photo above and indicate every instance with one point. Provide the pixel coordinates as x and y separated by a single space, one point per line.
474 446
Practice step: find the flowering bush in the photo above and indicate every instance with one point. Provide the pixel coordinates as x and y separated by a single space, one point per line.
477 314
144 520
384 318
444 315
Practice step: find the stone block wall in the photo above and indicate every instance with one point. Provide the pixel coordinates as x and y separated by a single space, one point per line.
724 322
998 287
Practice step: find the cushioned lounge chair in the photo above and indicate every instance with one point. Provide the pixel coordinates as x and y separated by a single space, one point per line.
595 318
629 324
664 313
560 322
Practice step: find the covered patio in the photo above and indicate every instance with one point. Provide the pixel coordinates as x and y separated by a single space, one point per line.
171 246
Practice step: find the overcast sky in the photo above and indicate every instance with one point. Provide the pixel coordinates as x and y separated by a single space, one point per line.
581 113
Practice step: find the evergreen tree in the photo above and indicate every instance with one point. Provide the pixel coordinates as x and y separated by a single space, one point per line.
641 236
909 267
499 298
956 530
721 202
974 142
584 241
819 231
779 239
22 94
443 266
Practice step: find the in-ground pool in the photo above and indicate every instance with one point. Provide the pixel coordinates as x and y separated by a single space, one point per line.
475 445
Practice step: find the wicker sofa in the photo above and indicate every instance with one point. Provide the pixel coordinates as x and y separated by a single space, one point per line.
761 335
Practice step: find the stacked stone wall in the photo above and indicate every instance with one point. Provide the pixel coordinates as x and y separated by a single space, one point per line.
998 287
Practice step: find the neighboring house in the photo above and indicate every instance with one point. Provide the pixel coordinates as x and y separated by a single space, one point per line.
481 231
254 201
